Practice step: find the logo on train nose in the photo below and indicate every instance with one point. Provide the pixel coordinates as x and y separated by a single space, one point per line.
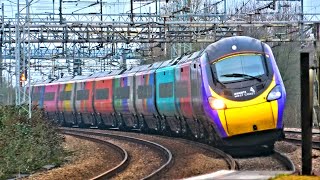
244 93
252 90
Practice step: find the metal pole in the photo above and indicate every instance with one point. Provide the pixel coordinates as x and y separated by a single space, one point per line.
306 114
60 11
301 28
29 60
131 11
17 54
1 41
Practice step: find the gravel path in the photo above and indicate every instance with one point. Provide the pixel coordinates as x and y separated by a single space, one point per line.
88 160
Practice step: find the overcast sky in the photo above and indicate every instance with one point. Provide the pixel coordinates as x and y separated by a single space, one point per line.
116 6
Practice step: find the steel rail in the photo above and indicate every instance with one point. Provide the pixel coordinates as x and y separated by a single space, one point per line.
285 160
315 144
115 170
166 152
233 165
299 132
230 160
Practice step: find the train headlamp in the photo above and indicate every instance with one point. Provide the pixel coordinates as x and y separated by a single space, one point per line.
216 103
275 93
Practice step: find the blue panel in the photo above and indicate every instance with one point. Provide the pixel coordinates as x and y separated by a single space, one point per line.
165 91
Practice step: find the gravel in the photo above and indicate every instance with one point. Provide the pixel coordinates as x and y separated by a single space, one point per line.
88 160
294 152
189 160
143 159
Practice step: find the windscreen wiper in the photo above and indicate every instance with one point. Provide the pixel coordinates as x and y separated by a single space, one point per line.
241 75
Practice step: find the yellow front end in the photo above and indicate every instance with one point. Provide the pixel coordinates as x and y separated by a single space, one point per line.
241 117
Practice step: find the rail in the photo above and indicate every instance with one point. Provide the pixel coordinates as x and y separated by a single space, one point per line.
164 151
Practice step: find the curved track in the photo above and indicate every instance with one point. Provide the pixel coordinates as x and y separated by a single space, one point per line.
166 154
229 159
111 172
297 141
287 162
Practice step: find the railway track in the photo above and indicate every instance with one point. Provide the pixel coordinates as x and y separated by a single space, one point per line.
111 172
234 163
266 161
286 161
230 161
295 138
165 153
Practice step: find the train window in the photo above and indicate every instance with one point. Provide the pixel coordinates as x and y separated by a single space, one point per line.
65 95
49 96
166 90
144 92
122 92
36 96
102 94
83 94
181 89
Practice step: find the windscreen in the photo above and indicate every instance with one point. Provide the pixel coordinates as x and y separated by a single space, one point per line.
239 68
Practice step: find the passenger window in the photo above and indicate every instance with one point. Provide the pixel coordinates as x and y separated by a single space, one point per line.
102 94
36 96
49 96
181 89
122 92
65 95
82 94
166 90
144 92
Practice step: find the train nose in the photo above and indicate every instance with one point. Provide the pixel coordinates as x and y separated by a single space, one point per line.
248 119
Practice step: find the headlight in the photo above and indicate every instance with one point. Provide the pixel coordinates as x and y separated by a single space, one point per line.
216 103
275 93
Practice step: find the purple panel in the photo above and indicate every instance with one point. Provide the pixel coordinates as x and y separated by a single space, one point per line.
278 80
212 114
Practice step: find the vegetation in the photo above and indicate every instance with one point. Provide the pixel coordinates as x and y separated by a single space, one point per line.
7 95
27 144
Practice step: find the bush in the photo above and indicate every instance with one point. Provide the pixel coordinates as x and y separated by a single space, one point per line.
27 144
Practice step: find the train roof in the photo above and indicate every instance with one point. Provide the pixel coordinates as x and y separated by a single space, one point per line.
100 74
141 68
234 44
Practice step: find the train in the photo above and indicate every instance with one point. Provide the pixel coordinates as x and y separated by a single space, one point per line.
229 94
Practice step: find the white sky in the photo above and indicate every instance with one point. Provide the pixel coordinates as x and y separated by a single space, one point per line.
113 6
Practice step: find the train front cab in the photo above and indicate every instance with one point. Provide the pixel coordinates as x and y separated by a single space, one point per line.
245 110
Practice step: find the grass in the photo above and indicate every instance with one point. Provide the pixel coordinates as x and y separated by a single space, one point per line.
27 144
294 177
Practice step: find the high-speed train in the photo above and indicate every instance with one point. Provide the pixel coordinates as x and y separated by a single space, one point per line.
230 94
